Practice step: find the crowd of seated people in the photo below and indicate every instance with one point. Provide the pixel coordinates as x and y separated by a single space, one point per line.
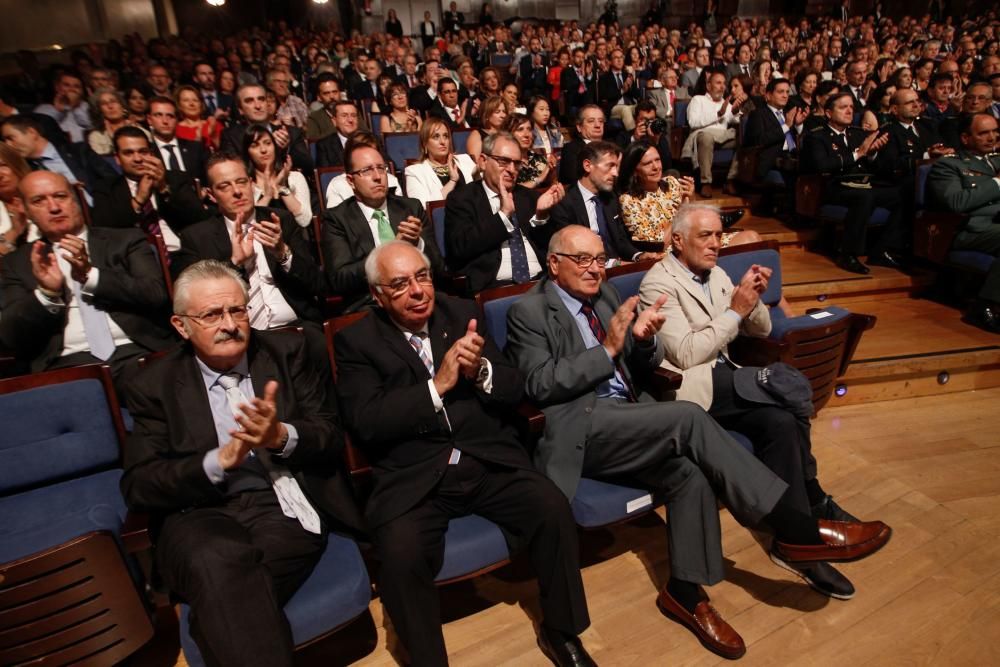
262 162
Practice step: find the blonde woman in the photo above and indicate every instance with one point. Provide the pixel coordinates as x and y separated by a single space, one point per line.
439 171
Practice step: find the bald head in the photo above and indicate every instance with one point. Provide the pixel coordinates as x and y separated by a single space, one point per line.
50 202
905 105
569 251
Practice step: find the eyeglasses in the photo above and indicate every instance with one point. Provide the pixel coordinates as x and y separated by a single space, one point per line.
584 261
372 170
397 286
505 162
214 317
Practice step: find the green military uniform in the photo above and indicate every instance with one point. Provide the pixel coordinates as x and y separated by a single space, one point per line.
967 183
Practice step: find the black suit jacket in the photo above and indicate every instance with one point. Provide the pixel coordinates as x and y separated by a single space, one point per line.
573 210
420 99
130 289
382 386
195 156
569 88
608 91
174 429
347 240
303 286
329 151
821 153
533 79
899 156
232 140
180 208
763 131
473 234
363 91
87 166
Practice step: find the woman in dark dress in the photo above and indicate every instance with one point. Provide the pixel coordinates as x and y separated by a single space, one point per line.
392 25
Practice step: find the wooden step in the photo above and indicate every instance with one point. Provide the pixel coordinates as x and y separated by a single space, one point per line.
811 280
918 348
772 229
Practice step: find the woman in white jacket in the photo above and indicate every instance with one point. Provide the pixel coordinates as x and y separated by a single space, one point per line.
439 171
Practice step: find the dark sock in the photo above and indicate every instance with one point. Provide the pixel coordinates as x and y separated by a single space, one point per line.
792 526
815 492
687 594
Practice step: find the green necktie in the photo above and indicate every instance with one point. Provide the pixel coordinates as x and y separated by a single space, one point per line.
385 233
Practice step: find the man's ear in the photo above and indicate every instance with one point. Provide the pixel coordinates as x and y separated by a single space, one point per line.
178 323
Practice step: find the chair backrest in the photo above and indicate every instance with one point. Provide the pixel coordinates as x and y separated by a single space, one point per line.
627 277
312 150
460 141
400 146
922 172
735 260
377 125
494 304
357 464
58 425
323 176
680 113
159 249
436 211
501 59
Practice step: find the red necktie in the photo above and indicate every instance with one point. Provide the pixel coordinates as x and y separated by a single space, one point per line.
599 334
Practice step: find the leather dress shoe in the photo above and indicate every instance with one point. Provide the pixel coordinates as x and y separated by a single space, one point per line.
707 625
730 218
888 259
563 650
853 264
842 540
986 316
821 577
829 509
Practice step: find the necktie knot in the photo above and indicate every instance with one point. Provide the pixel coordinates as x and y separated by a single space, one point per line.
229 380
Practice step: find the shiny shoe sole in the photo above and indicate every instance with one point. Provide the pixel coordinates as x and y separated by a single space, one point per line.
684 623
804 577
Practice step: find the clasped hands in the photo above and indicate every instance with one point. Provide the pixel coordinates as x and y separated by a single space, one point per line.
644 325
268 232
752 285
461 360
259 427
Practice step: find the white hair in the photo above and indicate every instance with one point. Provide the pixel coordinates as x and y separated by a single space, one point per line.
686 214
206 269
372 274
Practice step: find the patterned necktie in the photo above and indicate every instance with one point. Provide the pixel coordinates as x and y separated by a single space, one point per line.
789 134
260 314
385 233
618 80
210 104
416 341
518 255
602 227
38 163
600 335
292 500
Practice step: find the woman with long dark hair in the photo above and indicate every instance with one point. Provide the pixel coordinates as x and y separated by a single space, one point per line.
275 183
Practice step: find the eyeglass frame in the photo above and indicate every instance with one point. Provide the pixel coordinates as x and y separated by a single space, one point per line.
367 172
505 162
578 259
236 313
422 277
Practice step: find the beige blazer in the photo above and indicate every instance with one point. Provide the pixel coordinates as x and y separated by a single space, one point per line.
697 328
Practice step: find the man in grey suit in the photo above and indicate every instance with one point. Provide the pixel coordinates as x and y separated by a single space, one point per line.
583 351
690 77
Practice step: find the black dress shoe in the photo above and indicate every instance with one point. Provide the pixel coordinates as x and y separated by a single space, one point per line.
563 650
821 577
829 509
986 316
730 218
853 264
888 259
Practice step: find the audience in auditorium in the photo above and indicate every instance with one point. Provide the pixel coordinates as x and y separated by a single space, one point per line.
439 170
178 154
276 184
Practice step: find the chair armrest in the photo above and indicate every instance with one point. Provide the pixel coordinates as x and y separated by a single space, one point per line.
749 351
135 533
662 383
530 419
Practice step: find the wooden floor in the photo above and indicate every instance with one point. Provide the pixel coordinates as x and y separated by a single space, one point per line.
930 467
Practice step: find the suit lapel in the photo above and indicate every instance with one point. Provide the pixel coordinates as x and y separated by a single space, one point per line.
674 268
198 420
562 320
578 205
441 337
358 227
262 371
398 342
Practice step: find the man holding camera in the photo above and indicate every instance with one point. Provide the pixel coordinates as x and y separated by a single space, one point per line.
652 130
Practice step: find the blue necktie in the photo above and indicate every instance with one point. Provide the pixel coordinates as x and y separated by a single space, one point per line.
518 255
789 134
602 227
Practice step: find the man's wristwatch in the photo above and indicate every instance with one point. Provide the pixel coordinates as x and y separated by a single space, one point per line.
484 370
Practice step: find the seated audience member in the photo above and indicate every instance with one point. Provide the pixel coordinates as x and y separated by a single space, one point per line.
217 104
589 127
440 170
399 117
339 189
618 90
691 77
545 132
511 96
649 200
940 93
192 125
146 195
817 118
978 98
183 155
646 130
966 183
592 202
371 218
492 117
704 312
712 118
578 84
846 154
276 184
537 166
447 107
220 421
423 96
415 376
666 96
489 224
330 149
267 246
76 162
253 106
15 230
68 107
112 114
599 424
80 295
774 128
320 125
291 110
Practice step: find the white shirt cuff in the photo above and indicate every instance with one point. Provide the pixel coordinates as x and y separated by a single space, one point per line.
733 313
291 444
90 287
435 398
286 266
213 469
487 384
52 305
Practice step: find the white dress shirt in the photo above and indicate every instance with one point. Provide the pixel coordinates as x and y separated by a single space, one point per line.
703 112
165 151
170 239
369 214
281 312
506 271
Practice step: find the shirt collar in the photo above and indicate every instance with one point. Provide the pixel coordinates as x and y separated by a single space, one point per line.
489 193
698 280
585 193
163 144
49 152
368 211
211 376
573 304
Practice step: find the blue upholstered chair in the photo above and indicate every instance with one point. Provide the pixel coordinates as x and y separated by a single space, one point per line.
809 203
323 176
67 591
460 140
435 209
402 146
377 125
501 60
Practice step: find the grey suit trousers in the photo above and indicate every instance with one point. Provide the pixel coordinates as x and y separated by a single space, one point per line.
678 449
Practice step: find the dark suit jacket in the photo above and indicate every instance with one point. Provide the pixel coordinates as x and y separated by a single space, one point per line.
347 240
562 375
763 131
302 286
329 151
382 386
569 88
821 153
473 234
437 110
195 156
180 208
949 132
363 91
130 289
232 140
420 99
174 429
899 156
533 79
87 166
568 169
573 210
608 91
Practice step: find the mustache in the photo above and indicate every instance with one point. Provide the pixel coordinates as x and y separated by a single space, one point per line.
225 336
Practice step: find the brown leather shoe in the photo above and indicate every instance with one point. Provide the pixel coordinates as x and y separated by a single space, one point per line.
707 625
843 540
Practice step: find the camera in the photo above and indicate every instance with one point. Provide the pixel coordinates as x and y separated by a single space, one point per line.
657 126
